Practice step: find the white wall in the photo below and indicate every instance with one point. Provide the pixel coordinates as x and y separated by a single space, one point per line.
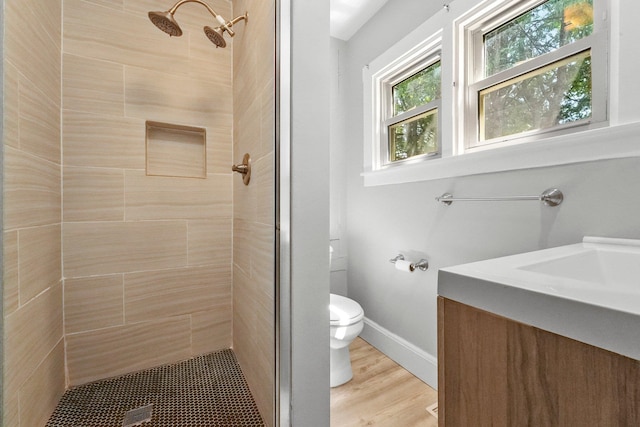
601 198
309 228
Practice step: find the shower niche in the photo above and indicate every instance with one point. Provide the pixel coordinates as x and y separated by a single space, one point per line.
175 150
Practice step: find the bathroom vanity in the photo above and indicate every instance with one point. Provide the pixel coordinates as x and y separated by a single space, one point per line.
546 338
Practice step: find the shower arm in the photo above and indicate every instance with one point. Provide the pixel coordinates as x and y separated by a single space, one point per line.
237 19
227 25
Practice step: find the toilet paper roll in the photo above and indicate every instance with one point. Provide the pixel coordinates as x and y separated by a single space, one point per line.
403 265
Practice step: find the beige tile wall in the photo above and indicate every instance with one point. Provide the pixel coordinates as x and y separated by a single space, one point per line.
253 238
147 259
127 348
33 321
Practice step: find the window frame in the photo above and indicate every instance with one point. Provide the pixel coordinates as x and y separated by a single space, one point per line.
387 118
382 78
489 19
612 139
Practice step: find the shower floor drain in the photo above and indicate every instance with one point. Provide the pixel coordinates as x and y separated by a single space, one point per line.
137 416
206 391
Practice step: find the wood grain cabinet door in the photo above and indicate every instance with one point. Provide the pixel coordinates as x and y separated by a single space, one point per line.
493 371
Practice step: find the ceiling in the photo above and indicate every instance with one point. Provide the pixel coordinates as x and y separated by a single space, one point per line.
347 16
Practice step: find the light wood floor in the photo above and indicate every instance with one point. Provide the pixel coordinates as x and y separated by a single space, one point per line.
381 393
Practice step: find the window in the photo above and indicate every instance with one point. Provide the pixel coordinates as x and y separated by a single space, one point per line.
412 126
533 68
403 99
523 84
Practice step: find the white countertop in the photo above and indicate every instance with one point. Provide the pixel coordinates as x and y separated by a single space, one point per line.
588 291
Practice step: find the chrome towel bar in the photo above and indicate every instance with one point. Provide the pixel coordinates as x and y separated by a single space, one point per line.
550 197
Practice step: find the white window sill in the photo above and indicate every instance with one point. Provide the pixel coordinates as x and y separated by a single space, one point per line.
604 143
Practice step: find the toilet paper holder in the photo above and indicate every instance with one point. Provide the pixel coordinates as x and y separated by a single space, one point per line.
423 264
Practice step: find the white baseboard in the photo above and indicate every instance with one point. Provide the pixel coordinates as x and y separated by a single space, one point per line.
415 360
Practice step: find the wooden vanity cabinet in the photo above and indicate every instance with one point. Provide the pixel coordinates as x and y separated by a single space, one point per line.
493 371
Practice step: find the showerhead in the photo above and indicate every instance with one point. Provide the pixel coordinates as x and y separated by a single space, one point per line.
166 22
216 35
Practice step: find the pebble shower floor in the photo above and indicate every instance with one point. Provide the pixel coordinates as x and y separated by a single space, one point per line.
205 391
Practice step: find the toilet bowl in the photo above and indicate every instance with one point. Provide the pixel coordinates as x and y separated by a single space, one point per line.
347 321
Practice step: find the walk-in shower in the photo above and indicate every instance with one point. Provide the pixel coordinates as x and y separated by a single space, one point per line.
167 23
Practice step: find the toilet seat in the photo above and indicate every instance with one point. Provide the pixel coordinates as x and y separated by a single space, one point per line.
344 311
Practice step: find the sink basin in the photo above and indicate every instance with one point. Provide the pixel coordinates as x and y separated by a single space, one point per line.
606 269
597 272
589 291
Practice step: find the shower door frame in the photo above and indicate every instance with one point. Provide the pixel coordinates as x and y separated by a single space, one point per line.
2 214
302 214
282 400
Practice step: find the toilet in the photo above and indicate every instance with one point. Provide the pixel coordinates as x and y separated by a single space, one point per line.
347 321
